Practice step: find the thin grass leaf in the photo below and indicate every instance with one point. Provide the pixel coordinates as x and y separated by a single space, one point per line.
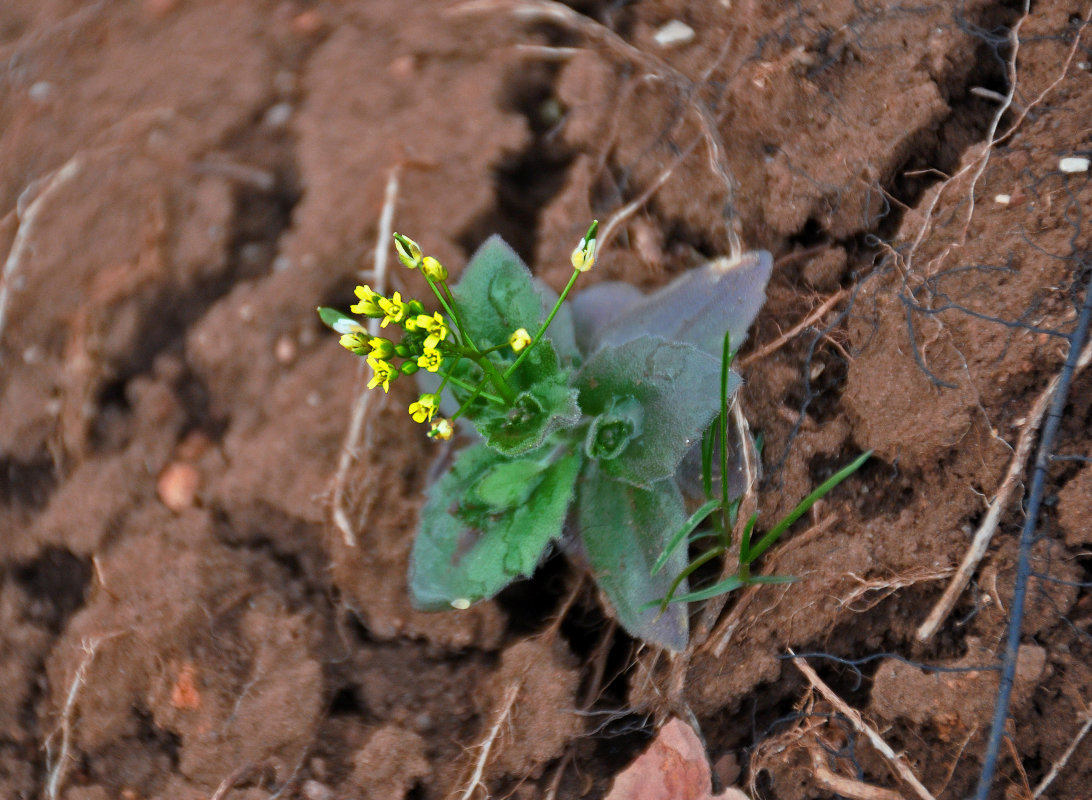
696 519
802 507
707 440
773 579
725 370
704 558
745 540
729 584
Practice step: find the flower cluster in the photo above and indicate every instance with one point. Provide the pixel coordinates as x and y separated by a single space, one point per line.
425 340
435 342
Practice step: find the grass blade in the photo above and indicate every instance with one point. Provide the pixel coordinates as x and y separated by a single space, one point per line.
803 506
680 536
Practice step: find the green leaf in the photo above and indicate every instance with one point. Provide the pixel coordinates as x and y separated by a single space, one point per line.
545 407
496 295
335 320
624 529
676 385
696 308
509 484
471 544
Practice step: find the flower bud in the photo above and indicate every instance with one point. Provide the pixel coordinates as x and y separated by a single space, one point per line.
441 429
583 257
409 253
381 348
433 269
519 340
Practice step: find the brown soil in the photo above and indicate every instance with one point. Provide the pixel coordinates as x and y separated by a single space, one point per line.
184 181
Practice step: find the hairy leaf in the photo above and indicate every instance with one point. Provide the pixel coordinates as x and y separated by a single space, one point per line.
678 389
496 296
488 521
544 408
696 308
624 530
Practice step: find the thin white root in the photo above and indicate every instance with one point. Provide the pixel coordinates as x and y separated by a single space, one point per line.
350 447
60 767
984 534
28 221
817 314
879 589
858 723
486 744
1059 765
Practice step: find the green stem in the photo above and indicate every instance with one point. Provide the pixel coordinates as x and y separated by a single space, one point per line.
490 371
545 325
477 390
450 309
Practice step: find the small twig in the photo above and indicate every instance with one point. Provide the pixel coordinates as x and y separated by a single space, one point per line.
984 534
817 314
486 745
28 222
858 723
349 448
1019 766
1059 765
547 52
57 773
847 787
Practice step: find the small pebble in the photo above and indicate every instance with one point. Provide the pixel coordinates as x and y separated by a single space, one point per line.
313 790
277 116
40 91
673 33
285 350
1074 164
177 486
308 23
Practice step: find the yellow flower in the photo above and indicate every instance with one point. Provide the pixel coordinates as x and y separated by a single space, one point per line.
394 310
431 359
441 429
424 408
519 340
355 342
409 252
583 257
384 373
433 269
381 348
369 302
436 326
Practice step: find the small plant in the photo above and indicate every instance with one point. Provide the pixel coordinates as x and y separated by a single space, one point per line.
580 413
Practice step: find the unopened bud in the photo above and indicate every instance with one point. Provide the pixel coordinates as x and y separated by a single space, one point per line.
409 252
433 269
519 340
583 257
